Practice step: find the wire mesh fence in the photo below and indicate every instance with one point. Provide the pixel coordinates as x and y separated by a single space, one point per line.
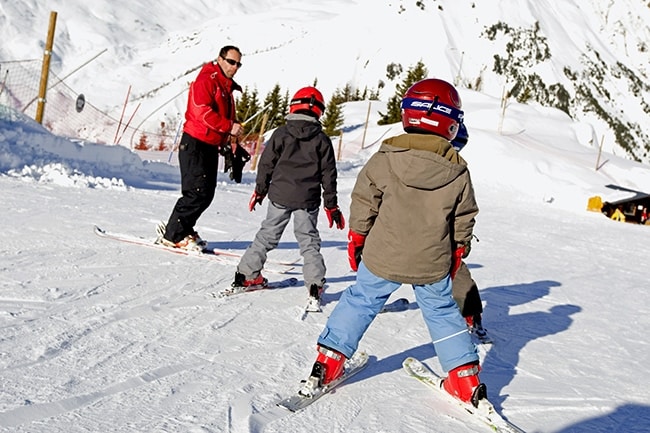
67 113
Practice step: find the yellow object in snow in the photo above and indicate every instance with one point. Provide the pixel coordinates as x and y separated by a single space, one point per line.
595 204
618 215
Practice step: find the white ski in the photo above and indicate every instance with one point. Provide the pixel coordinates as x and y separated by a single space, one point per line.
300 400
485 411
209 254
313 305
236 290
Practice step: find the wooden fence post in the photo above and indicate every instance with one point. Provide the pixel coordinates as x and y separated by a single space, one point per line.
260 139
45 69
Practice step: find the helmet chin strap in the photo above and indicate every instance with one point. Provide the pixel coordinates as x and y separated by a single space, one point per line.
433 104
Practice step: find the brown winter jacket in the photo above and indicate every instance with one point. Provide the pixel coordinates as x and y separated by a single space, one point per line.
413 199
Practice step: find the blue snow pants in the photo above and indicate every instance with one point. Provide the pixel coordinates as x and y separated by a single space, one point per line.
362 301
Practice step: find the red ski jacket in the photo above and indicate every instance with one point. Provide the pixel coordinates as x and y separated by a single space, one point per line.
210 110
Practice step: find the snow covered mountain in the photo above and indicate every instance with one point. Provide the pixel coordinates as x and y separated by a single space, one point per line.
589 58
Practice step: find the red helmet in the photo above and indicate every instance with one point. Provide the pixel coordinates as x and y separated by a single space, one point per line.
308 98
432 106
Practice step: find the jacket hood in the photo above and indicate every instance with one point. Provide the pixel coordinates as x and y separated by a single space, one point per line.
303 126
423 161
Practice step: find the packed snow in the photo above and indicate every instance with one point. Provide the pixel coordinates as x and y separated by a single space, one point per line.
102 336
99 335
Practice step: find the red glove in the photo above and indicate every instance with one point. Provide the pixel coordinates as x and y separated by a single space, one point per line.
334 215
355 247
456 259
255 199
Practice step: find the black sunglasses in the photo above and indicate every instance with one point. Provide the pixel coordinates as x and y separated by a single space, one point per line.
232 62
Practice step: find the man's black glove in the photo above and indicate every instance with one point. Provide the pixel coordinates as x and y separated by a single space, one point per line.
238 161
226 152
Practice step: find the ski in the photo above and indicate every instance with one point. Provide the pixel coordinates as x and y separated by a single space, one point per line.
236 256
300 400
271 265
485 412
400 304
236 290
205 254
480 337
313 305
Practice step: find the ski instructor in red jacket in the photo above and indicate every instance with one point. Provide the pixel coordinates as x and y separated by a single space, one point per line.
210 122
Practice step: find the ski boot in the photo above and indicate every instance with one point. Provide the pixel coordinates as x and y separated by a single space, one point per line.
475 325
315 294
328 367
464 384
191 242
241 281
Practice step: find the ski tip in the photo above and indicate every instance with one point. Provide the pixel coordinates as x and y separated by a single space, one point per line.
409 360
361 355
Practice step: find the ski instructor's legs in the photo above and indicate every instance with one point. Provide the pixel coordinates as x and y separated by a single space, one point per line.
199 165
355 311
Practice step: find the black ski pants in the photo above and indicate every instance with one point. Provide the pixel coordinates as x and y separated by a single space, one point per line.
199 164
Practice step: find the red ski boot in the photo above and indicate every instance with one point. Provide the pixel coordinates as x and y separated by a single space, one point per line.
329 365
241 281
463 383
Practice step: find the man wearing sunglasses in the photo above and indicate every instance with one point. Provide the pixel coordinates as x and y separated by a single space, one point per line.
210 124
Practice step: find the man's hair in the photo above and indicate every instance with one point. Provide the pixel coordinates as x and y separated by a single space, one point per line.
224 51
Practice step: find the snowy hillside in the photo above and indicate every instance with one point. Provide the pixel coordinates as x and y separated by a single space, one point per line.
596 68
100 336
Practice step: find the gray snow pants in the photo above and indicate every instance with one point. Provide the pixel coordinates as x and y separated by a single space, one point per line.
268 238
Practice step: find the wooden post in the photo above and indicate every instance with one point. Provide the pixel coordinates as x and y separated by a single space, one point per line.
128 123
600 150
365 128
504 102
338 154
460 67
119 125
45 69
259 142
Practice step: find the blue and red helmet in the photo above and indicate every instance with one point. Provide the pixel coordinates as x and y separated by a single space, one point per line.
432 106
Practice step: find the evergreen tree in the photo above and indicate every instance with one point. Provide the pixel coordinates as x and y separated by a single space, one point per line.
278 108
284 105
348 94
332 119
394 111
246 106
